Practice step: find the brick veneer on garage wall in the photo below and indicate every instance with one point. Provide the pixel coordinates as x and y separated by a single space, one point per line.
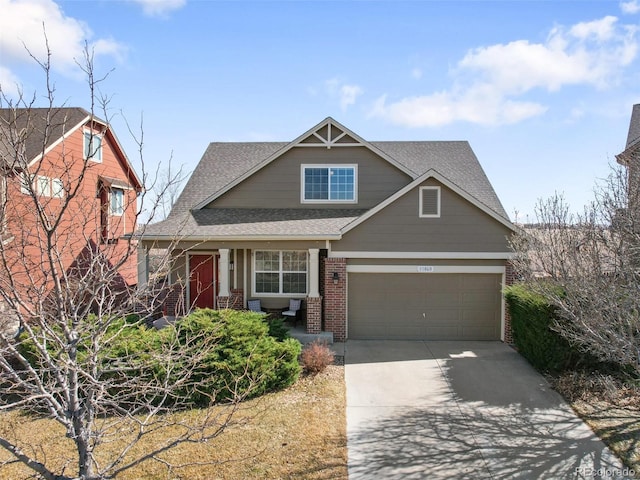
335 298
510 279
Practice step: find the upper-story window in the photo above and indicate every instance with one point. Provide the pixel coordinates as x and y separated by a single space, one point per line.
117 201
92 146
41 185
329 183
429 204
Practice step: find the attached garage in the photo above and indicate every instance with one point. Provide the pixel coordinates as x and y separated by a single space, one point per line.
424 306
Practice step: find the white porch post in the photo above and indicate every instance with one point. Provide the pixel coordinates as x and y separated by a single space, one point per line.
223 272
143 267
314 269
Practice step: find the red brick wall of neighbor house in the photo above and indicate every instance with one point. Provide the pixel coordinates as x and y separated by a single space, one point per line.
335 298
510 279
80 223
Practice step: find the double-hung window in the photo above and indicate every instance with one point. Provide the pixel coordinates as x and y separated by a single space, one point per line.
280 272
92 146
329 183
117 201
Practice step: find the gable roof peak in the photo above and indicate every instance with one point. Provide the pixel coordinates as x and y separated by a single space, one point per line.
634 126
328 133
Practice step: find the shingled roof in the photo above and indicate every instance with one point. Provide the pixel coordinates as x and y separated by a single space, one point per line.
27 133
633 136
224 163
37 128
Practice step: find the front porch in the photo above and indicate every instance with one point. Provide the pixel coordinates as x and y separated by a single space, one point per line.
227 278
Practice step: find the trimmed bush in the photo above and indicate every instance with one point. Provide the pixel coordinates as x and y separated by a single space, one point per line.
246 360
316 357
277 329
209 355
531 320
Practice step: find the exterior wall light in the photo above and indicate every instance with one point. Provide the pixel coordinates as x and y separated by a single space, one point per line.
336 278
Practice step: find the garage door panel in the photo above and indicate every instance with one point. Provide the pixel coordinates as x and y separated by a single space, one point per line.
478 298
443 333
478 333
479 317
429 306
436 300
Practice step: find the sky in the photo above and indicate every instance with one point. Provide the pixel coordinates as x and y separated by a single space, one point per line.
542 90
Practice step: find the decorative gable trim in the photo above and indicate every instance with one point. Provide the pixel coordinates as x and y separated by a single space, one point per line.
330 135
327 134
435 175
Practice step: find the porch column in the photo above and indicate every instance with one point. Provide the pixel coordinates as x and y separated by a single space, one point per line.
223 272
143 267
314 269
314 301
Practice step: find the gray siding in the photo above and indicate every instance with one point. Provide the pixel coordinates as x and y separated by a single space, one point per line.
461 227
278 184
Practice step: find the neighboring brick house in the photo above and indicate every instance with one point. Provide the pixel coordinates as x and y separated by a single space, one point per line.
55 158
388 240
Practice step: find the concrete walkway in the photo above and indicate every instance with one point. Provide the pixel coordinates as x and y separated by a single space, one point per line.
449 410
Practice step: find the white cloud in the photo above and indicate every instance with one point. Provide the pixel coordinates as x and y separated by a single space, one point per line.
9 83
632 7
490 81
160 8
346 94
23 24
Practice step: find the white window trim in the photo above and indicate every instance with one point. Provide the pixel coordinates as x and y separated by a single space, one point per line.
280 272
304 166
420 211
95 158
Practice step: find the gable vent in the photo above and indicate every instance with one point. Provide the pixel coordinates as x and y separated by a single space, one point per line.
429 202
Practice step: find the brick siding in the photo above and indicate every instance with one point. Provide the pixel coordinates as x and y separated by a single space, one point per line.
314 314
335 298
510 278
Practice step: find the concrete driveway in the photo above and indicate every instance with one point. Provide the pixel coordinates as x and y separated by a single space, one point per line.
431 410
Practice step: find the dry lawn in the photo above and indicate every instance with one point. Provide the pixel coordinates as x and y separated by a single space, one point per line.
611 409
297 433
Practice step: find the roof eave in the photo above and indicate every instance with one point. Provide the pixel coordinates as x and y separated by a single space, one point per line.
238 238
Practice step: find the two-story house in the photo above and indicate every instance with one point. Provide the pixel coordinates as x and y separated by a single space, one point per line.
388 240
67 188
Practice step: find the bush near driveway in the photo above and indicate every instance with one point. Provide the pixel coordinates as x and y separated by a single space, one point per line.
532 320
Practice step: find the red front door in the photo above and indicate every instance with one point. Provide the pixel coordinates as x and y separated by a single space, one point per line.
202 281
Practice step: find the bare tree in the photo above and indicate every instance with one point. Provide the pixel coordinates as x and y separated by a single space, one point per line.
587 265
67 293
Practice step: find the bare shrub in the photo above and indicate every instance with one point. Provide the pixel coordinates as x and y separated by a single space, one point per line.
316 357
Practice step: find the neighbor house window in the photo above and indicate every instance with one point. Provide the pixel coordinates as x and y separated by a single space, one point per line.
26 182
280 272
429 202
43 186
329 183
57 188
92 146
117 201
